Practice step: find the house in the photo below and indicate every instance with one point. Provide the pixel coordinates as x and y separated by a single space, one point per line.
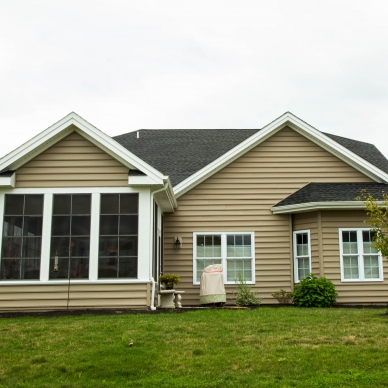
90 221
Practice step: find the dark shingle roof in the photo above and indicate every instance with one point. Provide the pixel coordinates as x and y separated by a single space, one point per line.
332 192
366 151
180 153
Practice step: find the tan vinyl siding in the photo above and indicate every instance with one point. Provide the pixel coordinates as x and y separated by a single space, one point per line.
239 199
72 162
54 296
348 292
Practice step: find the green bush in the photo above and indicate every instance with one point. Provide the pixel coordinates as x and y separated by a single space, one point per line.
283 297
169 280
314 292
244 295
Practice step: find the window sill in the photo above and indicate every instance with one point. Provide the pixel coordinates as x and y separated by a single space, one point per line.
361 280
72 282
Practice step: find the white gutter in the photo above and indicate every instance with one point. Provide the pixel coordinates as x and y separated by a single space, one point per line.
152 307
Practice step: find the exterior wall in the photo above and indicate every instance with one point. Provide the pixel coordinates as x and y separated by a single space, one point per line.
72 162
54 296
348 292
239 199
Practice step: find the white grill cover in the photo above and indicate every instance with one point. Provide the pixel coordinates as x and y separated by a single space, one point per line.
212 281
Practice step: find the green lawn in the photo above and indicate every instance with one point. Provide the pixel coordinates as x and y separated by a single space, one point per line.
265 347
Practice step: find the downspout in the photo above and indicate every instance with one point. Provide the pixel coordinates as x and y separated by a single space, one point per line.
152 307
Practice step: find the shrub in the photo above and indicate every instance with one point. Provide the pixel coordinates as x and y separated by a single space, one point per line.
169 280
283 297
244 295
314 292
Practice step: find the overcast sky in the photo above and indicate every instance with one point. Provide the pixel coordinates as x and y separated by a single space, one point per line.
127 65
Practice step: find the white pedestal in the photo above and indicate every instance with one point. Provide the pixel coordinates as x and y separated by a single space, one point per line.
178 298
167 299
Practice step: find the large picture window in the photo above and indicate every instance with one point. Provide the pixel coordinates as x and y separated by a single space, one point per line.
22 237
70 236
302 255
118 236
359 260
233 250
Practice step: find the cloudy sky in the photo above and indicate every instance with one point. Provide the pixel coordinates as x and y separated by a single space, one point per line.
126 65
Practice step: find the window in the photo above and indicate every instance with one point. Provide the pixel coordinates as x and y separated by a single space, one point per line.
118 236
232 250
22 237
359 260
302 255
70 236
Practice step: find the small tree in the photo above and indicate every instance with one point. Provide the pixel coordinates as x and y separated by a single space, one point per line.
378 220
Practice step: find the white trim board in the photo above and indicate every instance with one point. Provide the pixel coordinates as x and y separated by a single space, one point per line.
306 130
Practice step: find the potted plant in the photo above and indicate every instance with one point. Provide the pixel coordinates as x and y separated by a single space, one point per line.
169 280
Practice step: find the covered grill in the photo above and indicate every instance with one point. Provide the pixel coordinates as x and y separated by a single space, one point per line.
212 290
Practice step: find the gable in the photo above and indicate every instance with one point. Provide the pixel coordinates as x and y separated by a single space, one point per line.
72 162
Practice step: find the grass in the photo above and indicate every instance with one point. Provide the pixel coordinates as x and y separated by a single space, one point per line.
264 347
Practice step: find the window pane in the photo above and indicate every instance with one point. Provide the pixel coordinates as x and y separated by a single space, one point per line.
81 204
79 268
128 246
203 263
209 246
129 203
302 244
34 205
62 204
30 269
109 225
107 268
32 226
109 203
60 246
60 226
303 267
11 247
128 224
10 269
80 225
14 204
31 246
13 226
109 246
237 268
127 267
238 246
367 237
371 267
350 267
80 246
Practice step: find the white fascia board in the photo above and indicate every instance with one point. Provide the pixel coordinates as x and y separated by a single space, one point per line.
8 181
287 119
313 206
61 129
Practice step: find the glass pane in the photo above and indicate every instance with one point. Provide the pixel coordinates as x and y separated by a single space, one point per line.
237 268
60 226
302 244
81 204
80 225
60 246
34 205
128 224
30 269
128 267
238 246
367 237
12 247
32 226
208 246
109 203
79 268
12 226
303 267
203 263
31 246
371 267
62 204
81 246
109 246
128 203
14 204
350 264
128 246
107 268
10 269
109 225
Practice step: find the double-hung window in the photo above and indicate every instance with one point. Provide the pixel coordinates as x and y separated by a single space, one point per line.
359 260
302 255
233 250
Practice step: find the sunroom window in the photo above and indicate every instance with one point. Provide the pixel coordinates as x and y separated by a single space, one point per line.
22 237
359 260
232 250
118 236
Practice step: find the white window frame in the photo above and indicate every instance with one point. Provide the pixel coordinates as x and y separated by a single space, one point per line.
295 233
360 255
224 254
144 232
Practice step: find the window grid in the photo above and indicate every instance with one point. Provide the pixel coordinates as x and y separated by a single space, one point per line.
359 260
302 254
232 250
